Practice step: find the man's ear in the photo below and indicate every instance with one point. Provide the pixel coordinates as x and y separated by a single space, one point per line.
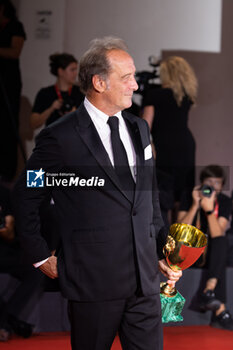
98 83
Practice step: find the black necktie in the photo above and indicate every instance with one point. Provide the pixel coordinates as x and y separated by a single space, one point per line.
121 164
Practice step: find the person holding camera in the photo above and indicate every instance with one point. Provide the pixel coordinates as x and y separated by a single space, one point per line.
54 101
209 210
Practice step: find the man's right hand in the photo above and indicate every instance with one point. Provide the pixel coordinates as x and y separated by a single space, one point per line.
49 268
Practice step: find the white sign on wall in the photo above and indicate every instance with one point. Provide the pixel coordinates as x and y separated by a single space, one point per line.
43 24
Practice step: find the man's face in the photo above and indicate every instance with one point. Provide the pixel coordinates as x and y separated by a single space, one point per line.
215 182
120 83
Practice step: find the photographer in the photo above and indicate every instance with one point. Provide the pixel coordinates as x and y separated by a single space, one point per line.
209 210
63 97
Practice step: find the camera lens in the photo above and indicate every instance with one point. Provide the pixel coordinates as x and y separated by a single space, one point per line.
206 190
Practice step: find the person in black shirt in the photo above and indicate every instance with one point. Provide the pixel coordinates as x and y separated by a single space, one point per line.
211 214
12 37
6 216
166 110
229 235
14 309
54 101
51 104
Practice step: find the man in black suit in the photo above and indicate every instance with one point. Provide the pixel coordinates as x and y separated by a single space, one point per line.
111 231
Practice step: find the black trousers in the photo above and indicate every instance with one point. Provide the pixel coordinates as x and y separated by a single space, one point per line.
216 264
137 321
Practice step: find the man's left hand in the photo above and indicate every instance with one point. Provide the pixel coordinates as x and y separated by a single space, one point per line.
207 203
173 276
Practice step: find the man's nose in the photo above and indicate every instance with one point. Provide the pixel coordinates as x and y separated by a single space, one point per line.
134 84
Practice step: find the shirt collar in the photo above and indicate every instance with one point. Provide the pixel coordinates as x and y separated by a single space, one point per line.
98 117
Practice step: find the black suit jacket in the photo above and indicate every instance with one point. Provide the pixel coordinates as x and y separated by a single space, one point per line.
104 236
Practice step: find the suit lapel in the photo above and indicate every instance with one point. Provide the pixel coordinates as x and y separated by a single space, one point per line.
137 142
90 137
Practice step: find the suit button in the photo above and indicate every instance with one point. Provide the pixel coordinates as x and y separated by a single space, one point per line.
134 213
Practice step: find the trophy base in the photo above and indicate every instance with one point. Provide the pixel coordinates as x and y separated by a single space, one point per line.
172 307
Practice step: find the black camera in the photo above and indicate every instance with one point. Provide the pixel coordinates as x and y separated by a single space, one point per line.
206 190
144 79
67 105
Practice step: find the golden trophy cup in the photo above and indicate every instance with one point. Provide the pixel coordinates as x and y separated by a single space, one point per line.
185 244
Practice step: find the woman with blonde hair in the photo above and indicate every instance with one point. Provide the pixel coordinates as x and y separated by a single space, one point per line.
166 110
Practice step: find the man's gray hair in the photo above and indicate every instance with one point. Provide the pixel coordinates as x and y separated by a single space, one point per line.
95 61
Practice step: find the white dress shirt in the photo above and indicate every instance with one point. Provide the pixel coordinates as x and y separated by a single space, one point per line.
100 120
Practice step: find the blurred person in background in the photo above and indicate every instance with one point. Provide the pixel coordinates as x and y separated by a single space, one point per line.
54 101
12 37
166 110
51 104
15 308
229 235
207 208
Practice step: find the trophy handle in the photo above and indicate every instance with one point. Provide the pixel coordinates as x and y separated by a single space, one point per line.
169 246
168 249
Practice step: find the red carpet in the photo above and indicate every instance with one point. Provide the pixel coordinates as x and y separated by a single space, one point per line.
175 338
197 338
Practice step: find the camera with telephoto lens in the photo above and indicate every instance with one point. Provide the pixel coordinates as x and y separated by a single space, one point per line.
145 78
206 190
